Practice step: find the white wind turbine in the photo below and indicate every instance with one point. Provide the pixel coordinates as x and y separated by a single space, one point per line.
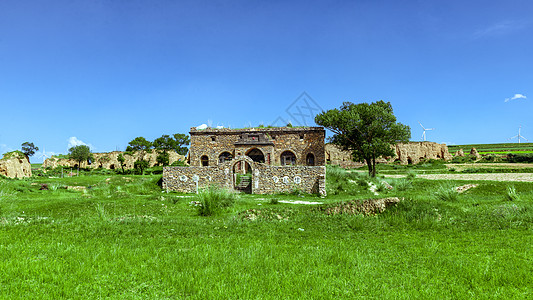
425 129
43 155
519 135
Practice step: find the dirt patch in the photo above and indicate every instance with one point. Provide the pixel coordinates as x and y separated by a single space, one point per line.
366 207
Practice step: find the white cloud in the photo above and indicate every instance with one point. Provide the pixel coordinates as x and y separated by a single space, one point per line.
74 141
500 28
516 96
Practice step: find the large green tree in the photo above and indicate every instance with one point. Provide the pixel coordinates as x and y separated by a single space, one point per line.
367 130
80 154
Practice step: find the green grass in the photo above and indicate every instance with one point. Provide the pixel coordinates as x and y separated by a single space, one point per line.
122 237
490 148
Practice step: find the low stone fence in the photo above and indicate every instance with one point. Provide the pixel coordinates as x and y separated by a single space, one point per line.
266 179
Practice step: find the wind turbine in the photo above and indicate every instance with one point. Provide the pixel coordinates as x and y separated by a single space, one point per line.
425 129
43 155
519 135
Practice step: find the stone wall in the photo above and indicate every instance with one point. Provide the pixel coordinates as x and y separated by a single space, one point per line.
272 142
405 153
109 160
266 179
15 165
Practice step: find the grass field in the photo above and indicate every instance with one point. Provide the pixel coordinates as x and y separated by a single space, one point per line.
122 237
495 148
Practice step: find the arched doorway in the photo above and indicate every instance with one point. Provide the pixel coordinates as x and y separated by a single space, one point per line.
242 176
256 155
310 159
288 158
205 161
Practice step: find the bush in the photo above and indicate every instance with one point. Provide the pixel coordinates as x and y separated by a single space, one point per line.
410 175
402 184
520 157
446 192
213 200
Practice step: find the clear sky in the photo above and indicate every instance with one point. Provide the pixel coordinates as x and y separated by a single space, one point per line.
105 72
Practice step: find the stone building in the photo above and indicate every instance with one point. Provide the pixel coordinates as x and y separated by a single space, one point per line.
279 159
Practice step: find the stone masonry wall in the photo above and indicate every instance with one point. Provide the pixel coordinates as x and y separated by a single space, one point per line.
265 179
271 141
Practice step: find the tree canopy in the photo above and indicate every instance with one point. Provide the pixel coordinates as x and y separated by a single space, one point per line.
80 153
29 149
367 130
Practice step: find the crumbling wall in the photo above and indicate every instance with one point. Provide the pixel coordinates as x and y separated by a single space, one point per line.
405 153
109 160
15 165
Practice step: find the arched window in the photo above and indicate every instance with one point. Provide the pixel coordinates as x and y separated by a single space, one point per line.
224 157
310 159
288 158
205 161
256 155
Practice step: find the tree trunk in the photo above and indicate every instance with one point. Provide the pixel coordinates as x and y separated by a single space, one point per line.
369 164
373 167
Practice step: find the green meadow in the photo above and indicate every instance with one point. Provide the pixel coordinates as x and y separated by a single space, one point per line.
122 236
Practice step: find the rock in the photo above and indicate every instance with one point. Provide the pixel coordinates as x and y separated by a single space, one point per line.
367 207
15 165
460 153
109 160
473 152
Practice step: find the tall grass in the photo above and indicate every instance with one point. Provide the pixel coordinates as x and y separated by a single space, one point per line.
446 192
214 199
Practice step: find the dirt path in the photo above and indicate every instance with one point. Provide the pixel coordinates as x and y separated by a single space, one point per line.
525 177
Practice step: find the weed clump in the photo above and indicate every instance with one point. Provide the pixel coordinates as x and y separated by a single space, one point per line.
213 200
446 192
512 194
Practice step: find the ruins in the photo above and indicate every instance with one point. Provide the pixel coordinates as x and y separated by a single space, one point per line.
15 165
256 160
405 153
109 160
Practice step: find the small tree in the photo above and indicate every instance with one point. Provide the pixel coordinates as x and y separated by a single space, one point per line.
163 158
141 165
122 161
182 140
368 130
80 153
29 149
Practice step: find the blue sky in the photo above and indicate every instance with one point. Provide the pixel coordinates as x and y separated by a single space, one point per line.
105 72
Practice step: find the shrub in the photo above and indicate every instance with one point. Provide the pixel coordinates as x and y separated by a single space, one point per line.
410 175
274 201
446 192
402 184
512 194
213 199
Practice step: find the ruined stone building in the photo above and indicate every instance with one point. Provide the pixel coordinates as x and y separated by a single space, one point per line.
279 159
